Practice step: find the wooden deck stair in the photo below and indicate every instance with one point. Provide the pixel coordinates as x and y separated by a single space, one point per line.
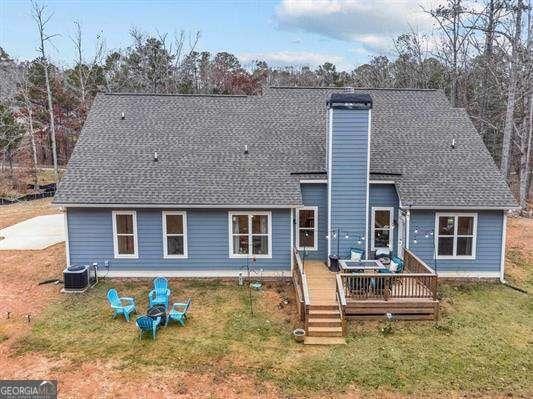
324 320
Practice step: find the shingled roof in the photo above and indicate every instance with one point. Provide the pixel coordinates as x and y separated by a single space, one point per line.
200 142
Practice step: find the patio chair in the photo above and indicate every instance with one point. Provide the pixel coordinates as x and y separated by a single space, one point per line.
178 312
356 254
147 324
121 305
400 264
161 293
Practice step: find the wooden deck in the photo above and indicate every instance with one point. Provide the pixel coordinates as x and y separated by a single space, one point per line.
327 299
321 283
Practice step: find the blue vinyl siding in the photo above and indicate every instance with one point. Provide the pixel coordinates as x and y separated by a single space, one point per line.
317 195
488 243
383 195
91 240
349 175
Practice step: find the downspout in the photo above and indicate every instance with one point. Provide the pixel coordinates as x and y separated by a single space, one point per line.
502 267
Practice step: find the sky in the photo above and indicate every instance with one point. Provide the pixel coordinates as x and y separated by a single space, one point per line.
282 32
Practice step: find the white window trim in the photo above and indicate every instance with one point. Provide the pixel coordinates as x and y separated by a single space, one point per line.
230 234
315 228
135 254
165 235
391 227
455 226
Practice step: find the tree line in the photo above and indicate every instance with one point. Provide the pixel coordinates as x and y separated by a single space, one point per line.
482 58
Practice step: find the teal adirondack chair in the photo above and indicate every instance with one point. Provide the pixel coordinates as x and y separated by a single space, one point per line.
161 293
121 305
147 324
178 312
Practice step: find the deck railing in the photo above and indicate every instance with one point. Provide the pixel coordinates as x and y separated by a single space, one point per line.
300 284
418 281
341 301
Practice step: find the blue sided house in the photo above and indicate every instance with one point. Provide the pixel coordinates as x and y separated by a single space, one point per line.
202 185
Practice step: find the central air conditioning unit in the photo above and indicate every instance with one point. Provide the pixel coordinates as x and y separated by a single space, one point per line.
78 278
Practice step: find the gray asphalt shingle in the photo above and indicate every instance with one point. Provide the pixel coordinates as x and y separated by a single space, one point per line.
200 144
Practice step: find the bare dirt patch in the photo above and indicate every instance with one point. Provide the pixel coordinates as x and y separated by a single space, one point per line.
11 214
519 259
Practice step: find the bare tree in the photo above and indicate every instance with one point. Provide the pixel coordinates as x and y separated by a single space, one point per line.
527 130
83 70
511 89
450 19
24 91
42 18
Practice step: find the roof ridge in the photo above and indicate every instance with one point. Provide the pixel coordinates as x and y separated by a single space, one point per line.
174 95
350 87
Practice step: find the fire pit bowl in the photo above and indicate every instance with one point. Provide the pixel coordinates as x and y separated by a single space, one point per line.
158 311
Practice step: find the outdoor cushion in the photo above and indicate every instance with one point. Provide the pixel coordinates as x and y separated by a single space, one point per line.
356 254
393 266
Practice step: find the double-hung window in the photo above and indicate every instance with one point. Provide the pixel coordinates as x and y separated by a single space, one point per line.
125 234
382 228
455 236
307 228
174 234
250 234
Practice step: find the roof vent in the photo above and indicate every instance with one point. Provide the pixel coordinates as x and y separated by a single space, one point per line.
453 143
122 116
246 148
156 157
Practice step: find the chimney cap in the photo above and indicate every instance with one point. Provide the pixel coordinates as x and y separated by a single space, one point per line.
349 101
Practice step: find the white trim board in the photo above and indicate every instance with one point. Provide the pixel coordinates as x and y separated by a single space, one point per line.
314 181
455 236
315 228
165 235
368 180
175 206
465 274
329 155
504 239
457 208
135 254
67 247
250 255
280 273
381 182
391 227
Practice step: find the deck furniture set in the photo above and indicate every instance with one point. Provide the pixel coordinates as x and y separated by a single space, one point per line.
158 313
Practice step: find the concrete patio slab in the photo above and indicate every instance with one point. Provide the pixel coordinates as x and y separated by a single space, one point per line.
36 233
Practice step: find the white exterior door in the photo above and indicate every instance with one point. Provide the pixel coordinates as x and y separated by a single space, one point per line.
402 223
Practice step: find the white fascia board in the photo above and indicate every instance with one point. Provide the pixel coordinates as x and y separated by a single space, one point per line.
468 274
175 206
102 272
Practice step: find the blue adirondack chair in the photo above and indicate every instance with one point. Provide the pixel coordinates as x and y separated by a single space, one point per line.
161 293
178 312
147 324
124 306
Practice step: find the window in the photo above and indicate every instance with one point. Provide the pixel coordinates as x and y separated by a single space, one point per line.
125 234
307 230
456 235
174 234
250 234
382 228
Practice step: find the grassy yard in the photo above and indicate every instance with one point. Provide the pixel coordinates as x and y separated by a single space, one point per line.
482 343
482 346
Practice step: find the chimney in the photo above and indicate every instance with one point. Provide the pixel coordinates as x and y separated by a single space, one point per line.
348 145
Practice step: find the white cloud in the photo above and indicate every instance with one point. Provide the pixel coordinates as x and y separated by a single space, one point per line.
282 58
373 24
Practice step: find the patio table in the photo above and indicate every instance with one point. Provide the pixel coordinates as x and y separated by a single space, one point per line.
362 265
